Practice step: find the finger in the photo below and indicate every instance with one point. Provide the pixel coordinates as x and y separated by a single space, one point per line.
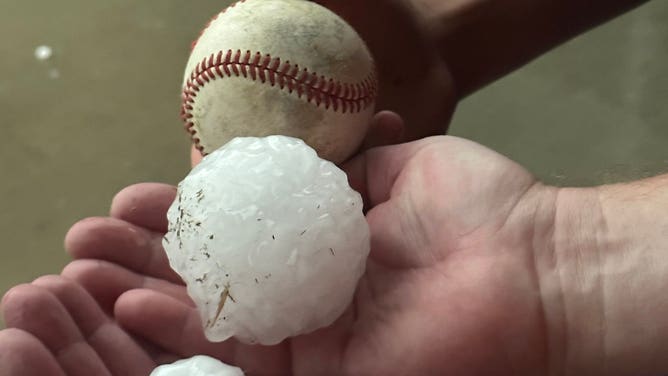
36 311
121 354
387 128
144 205
177 328
166 321
120 242
106 281
374 172
195 156
21 354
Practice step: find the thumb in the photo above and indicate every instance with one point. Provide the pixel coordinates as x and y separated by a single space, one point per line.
144 205
394 221
387 128
374 172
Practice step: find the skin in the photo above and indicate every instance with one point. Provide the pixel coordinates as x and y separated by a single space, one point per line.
432 53
475 267
483 286
501 275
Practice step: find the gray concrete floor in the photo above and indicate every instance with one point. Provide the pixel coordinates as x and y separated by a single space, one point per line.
102 112
592 111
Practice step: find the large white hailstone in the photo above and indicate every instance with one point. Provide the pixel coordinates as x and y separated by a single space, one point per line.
269 238
198 365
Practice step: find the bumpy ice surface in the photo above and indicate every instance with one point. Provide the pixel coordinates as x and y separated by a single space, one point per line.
199 365
270 239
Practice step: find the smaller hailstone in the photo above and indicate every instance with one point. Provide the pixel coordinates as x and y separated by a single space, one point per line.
269 238
198 365
43 53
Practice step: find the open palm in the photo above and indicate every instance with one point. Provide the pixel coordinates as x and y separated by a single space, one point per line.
450 286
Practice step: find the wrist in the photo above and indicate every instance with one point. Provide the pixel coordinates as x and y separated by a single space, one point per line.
571 287
482 40
603 280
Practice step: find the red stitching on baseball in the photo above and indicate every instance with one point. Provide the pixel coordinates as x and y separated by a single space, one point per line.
316 89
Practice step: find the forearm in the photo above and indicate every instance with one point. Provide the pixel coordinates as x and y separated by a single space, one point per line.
606 278
482 40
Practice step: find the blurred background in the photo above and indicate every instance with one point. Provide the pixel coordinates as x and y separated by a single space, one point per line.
89 98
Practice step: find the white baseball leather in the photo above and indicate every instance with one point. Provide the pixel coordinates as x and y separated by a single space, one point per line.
288 67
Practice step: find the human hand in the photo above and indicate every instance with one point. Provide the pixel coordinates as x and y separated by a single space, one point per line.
56 328
449 288
415 82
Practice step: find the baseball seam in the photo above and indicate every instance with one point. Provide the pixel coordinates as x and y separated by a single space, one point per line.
317 89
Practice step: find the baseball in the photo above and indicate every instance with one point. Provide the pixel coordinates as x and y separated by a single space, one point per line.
280 67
